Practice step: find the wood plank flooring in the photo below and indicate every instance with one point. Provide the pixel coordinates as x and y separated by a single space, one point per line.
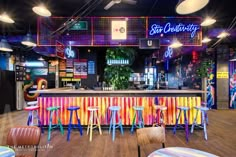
221 139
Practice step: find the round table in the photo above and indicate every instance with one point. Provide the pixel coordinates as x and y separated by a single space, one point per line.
180 152
6 152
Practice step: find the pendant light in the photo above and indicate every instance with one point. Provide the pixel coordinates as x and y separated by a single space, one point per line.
176 44
4 46
206 40
28 40
42 11
6 18
208 21
190 6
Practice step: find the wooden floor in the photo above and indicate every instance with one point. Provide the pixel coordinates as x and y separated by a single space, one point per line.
221 139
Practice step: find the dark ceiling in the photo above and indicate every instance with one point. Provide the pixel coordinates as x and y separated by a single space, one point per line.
21 11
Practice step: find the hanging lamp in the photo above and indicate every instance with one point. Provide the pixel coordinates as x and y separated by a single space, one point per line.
190 6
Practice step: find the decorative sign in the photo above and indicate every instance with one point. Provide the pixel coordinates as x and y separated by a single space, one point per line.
70 53
222 75
168 53
81 25
20 73
39 71
118 30
149 43
70 79
117 61
60 48
80 68
91 67
174 28
194 57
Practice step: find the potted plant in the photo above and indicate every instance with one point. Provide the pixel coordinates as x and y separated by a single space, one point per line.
117 75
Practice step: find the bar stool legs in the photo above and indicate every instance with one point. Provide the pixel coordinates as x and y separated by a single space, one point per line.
185 109
204 120
91 125
138 113
161 109
114 112
73 109
59 124
32 116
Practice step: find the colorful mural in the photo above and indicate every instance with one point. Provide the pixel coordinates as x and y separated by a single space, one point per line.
232 85
126 104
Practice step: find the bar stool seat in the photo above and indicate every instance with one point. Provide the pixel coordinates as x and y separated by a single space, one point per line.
92 125
138 111
32 116
161 109
185 109
71 109
204 122
59 124
114 112
32 103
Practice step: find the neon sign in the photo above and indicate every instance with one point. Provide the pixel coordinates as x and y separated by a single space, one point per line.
169 52
69 52
174 28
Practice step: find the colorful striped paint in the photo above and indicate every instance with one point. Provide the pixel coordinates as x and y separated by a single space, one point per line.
126 104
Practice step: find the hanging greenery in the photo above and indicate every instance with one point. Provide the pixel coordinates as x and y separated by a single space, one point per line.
205 68
118 75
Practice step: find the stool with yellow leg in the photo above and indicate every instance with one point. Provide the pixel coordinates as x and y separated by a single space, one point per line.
93 124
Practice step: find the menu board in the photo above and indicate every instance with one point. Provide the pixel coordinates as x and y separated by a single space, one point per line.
91 67
20 73
80 68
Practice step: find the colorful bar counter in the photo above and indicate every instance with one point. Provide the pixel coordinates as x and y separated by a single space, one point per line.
125 99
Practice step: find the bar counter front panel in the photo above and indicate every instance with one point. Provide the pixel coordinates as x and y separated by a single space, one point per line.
84 99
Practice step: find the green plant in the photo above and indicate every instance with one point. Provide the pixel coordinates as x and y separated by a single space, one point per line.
118 75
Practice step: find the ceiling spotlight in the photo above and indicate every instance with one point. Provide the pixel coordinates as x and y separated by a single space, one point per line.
28 40
208 21
223 35
4 46
206 40
6 18
42 11
176 44
190 6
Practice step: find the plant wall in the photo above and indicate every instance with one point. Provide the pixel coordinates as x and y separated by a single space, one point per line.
118 75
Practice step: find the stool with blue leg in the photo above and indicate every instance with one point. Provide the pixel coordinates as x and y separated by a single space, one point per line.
204 122
33 114
74 109
185 110
113 125
138 113
158 120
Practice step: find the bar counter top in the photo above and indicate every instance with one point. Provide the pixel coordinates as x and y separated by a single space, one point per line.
79 91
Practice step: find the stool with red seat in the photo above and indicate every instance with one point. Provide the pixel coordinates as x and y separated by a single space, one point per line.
32 116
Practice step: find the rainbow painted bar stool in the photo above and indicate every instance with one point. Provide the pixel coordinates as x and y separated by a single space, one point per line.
204 122
32 116
73 109
92 125
114 112
159 120
59 124
138 111
184 109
